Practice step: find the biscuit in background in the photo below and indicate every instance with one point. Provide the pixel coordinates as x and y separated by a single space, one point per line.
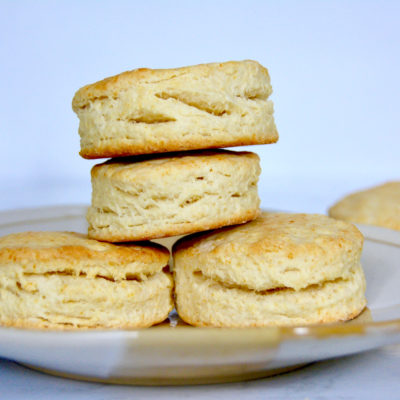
148 111
379 206
280 269
157 196
62 280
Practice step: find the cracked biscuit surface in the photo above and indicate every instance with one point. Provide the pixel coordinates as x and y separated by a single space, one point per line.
148 111
280 269
379 206
63 280
151 197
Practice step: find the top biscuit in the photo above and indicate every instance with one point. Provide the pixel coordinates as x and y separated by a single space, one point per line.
379 206
148 111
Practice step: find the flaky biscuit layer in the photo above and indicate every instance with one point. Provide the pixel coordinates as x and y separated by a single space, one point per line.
201 301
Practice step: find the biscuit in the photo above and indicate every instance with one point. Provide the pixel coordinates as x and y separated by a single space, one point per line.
379 206
173 194
62 280
280 269
148 111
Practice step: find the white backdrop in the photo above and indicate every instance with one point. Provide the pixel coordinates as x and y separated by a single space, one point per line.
334 68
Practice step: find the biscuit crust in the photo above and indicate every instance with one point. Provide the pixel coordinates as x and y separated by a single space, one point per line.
280 269
150 197
379 206
148 111
62 280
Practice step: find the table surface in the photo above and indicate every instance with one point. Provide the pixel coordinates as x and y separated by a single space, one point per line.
370 375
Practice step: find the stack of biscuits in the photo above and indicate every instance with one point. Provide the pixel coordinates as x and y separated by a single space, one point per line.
150 114
167 176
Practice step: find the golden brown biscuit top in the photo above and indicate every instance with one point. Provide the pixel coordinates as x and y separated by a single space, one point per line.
77 250
162 164
308 237
235 70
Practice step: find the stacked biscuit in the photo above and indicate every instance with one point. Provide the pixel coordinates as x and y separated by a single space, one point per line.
166 177
143 112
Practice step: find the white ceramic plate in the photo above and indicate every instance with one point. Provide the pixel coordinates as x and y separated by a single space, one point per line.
173 353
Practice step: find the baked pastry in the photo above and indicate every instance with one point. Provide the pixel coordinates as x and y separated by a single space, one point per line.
379 206
148 111
62 280
172 194
280 269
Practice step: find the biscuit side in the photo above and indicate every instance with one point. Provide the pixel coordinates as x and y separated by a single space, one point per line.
201 301
62 301
168 196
